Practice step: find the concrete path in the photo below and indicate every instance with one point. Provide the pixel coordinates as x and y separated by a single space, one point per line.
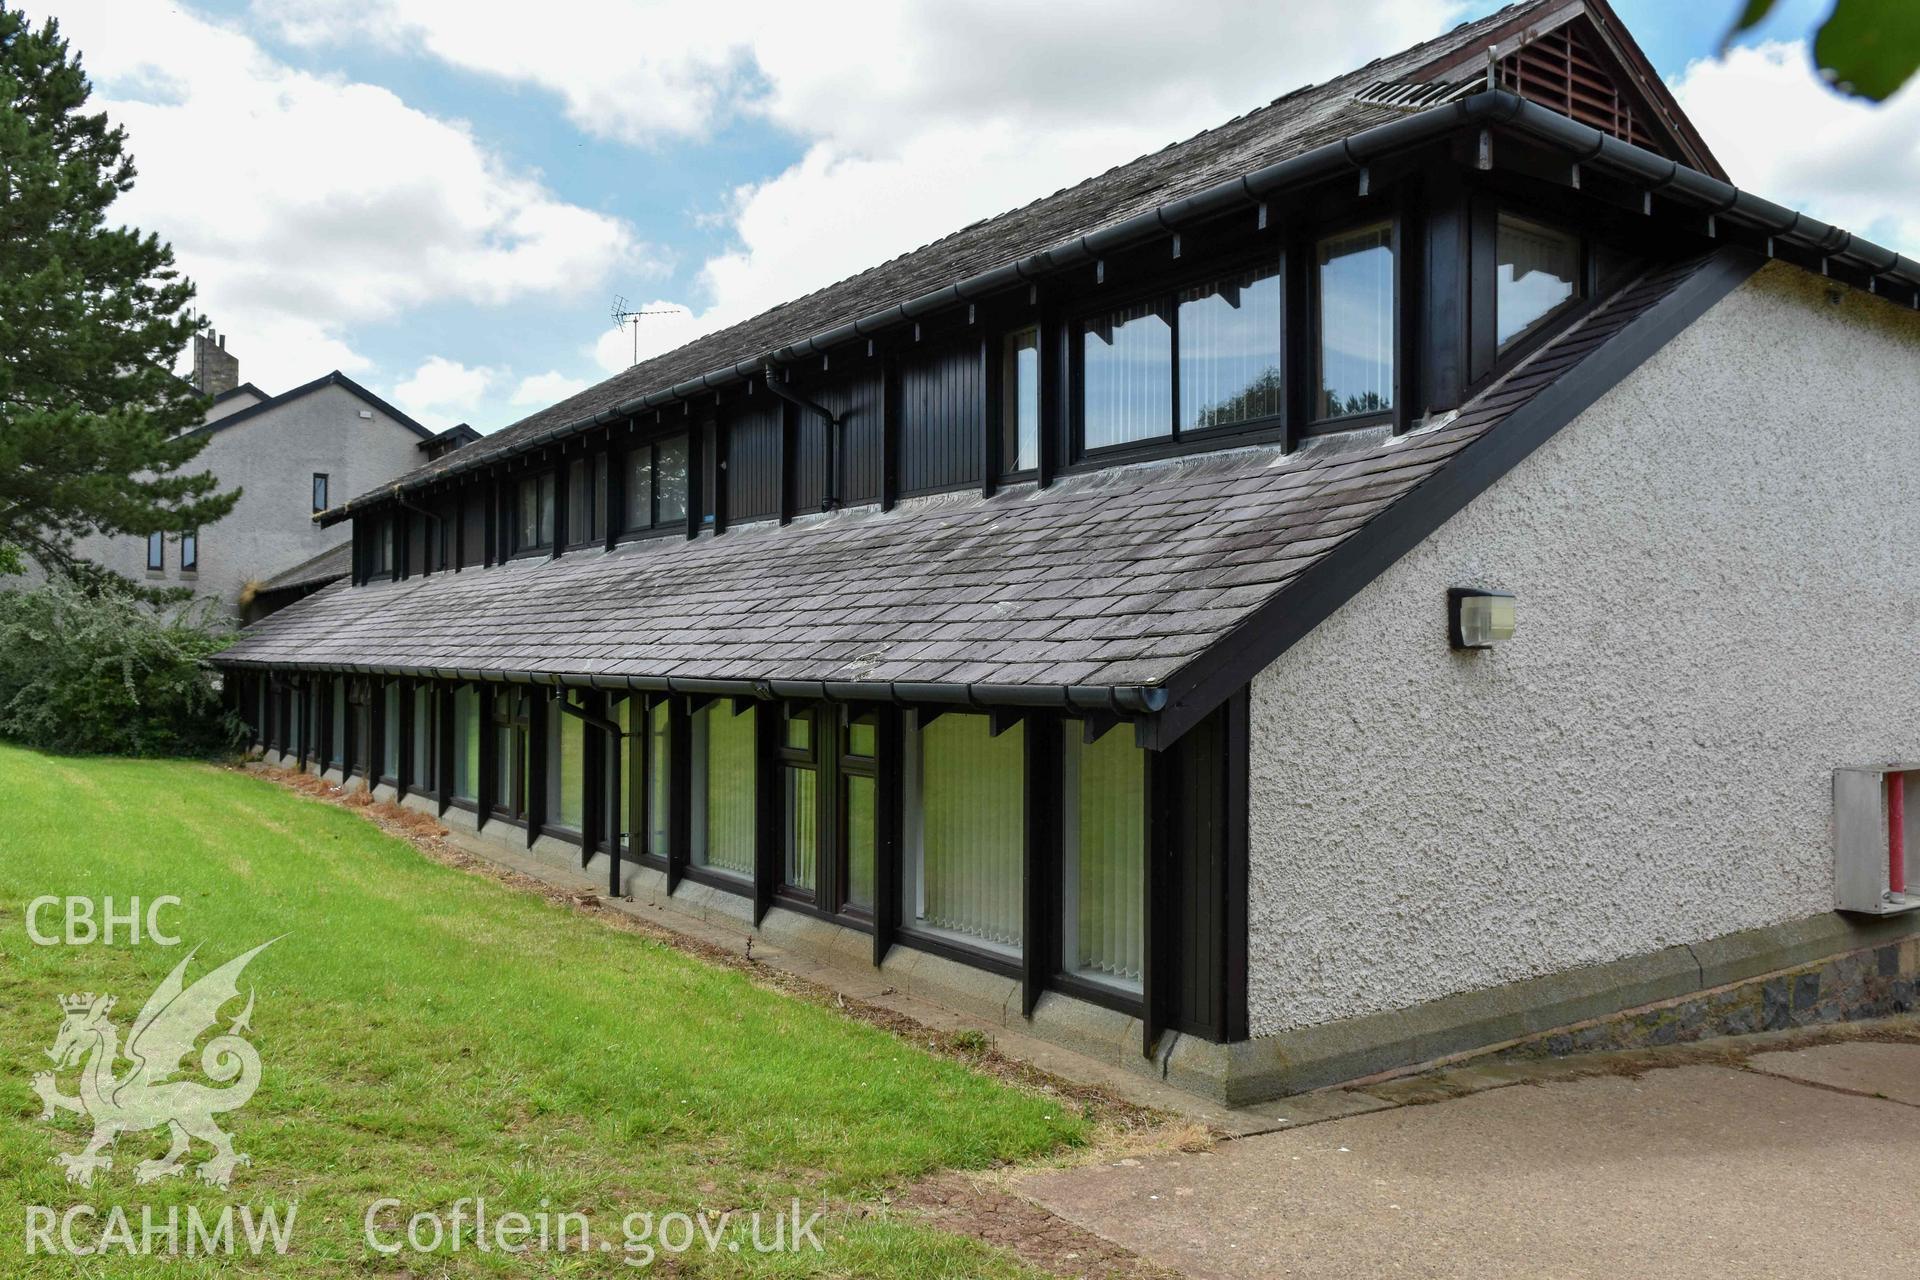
1685 1172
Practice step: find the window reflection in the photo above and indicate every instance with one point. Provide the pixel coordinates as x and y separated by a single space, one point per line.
1356 322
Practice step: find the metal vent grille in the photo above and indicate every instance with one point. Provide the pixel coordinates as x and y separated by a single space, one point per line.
1408 96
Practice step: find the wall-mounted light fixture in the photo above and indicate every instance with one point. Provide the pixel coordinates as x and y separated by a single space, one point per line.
1478 619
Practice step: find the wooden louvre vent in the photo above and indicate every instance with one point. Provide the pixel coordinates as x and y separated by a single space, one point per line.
1563 70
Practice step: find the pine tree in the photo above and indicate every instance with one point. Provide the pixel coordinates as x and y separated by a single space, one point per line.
93 423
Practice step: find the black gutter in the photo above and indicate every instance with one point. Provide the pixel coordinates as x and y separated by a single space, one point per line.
1490 109
1124 701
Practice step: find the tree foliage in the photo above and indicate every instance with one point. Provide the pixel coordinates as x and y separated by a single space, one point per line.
94 426
100 671
1867 48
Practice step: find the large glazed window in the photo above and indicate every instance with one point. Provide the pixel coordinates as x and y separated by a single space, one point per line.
337 739
390 730
966 822
425 729
656 485
586 500
1103 834
1539 273
723 769
466 744
1230 351
566 768
800 802
1126 373
533 513
1020 401
659 792
858 814
1354 284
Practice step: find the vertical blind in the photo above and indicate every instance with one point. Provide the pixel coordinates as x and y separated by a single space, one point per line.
1126 372
723 767
659 728
802 826
1104 833
466 743
390 729
966 850
1356 322
1230 350
860 841
424 730
566 768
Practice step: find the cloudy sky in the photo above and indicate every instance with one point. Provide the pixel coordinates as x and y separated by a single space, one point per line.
442 198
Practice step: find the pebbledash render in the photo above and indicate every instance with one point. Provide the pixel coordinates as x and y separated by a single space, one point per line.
1424 566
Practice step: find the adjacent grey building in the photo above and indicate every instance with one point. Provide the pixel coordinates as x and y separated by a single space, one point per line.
291 456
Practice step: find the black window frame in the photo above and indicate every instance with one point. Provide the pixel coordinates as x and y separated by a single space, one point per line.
1166 295
544 483
655 527
508 707
322 489
1309 251
590 514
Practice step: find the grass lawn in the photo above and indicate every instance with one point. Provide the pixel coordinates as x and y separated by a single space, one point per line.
429 1035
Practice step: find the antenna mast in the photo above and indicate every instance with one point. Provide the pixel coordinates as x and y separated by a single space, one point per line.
623 315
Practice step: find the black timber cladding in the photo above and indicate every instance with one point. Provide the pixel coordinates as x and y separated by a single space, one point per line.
1182 576
1287 127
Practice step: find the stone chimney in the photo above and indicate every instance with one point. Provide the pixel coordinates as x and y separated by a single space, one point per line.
214 371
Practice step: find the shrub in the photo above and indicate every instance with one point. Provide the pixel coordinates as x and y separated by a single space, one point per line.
98 670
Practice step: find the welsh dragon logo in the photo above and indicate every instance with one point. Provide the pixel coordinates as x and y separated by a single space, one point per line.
147 1096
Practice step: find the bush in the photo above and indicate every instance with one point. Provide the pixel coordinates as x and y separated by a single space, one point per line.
98 670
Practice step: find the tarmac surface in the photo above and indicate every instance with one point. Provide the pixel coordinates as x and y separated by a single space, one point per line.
1807 1163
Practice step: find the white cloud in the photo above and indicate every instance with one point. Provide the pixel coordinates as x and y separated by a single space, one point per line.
1783 134
541 389
440 383
918 118
305 205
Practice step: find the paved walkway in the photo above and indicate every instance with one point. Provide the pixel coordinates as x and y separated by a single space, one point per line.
1805 1164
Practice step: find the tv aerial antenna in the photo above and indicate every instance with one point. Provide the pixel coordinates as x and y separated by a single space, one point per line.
625 316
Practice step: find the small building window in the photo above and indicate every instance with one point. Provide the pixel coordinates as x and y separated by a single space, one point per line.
859 814
426 733
587 500
466 744
319 491
380 552
656 485
1229 337
511 723
566 768
156 552
1354 286
1020 401
800 802
966 833
723 792
533 513
190 551
1103 871
390 730
1539 274
337 723
1126 371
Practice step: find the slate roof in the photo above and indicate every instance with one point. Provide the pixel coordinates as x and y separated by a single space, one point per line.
1110 580
330 565
1287 127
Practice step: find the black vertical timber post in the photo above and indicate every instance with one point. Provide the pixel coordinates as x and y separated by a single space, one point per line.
443 753
1158 886
1042 796
768 806
1297 338
615 497
1055 391
1234 941
1409 275
679 788
889 432
889 784
534 754
616 819
486 787
988 380
403 780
